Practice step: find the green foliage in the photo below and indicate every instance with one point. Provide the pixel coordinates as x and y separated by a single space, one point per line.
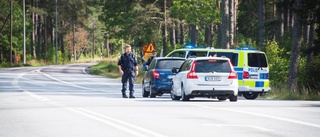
196 12
309 76
278 63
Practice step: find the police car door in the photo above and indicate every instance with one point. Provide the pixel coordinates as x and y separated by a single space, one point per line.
257 69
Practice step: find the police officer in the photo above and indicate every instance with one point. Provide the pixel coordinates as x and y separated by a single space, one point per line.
128 67
154 54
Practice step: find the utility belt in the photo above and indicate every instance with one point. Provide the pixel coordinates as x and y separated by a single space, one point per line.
127 69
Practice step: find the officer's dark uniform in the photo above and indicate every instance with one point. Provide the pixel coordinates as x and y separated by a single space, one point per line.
149 60
127 63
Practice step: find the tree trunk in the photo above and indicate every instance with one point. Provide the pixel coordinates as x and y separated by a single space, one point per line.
38 47
311 42
285 14
173 36
306 32
219 37
295 50
235 22
291 19
232 20
181 33
208 35
177 32
45 38
225 23
280 30
61 39
164 29
193 34
218 27
34 31
261 23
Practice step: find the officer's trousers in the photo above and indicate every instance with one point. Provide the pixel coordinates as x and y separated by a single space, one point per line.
128 74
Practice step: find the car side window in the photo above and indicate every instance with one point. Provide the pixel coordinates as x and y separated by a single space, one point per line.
180 54
152 65
185 66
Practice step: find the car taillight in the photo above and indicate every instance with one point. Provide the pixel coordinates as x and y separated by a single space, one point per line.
156 74
245 74
192 74
233 75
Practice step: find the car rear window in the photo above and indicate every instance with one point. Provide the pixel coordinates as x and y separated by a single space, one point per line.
257 60
169 64
205 66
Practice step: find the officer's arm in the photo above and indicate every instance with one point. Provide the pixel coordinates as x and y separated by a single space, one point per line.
119 65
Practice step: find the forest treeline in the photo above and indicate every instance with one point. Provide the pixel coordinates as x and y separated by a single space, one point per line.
287 30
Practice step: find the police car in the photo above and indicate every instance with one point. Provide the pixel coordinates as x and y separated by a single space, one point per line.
250 64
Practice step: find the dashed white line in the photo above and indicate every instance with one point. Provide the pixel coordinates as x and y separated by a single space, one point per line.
265 116
244 126
121 125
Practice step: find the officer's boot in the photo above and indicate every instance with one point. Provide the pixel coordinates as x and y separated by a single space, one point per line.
131 95
124 95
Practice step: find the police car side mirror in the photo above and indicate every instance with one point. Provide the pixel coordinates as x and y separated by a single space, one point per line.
175 70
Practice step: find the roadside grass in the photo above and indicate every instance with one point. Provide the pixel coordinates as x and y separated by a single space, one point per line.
109 68
282 93
36 63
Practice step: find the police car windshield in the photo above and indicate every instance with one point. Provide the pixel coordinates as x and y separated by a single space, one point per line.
205 66
181 54
257 60
169 64
197 54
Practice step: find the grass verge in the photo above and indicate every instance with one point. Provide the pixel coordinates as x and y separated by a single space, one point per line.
282 93
110 69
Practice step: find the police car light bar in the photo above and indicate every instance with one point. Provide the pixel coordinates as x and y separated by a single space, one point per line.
191 46
245 48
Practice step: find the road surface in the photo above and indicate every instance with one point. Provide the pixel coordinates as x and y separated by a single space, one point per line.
65 101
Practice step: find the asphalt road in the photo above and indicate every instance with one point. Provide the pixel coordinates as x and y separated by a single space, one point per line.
64 101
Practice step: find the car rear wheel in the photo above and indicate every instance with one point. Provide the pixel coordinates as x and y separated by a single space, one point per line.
222 98
145 93
152 92
250 96
184 96
233 98
173 96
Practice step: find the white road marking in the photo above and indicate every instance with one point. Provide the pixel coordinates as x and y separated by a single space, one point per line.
61 81
245 126
121 125
265 116
154 134
84 71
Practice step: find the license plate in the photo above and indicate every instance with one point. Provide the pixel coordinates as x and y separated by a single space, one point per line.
170 76
253 76
212 78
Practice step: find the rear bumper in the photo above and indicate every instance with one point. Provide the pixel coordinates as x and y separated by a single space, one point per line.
162 88
210 93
